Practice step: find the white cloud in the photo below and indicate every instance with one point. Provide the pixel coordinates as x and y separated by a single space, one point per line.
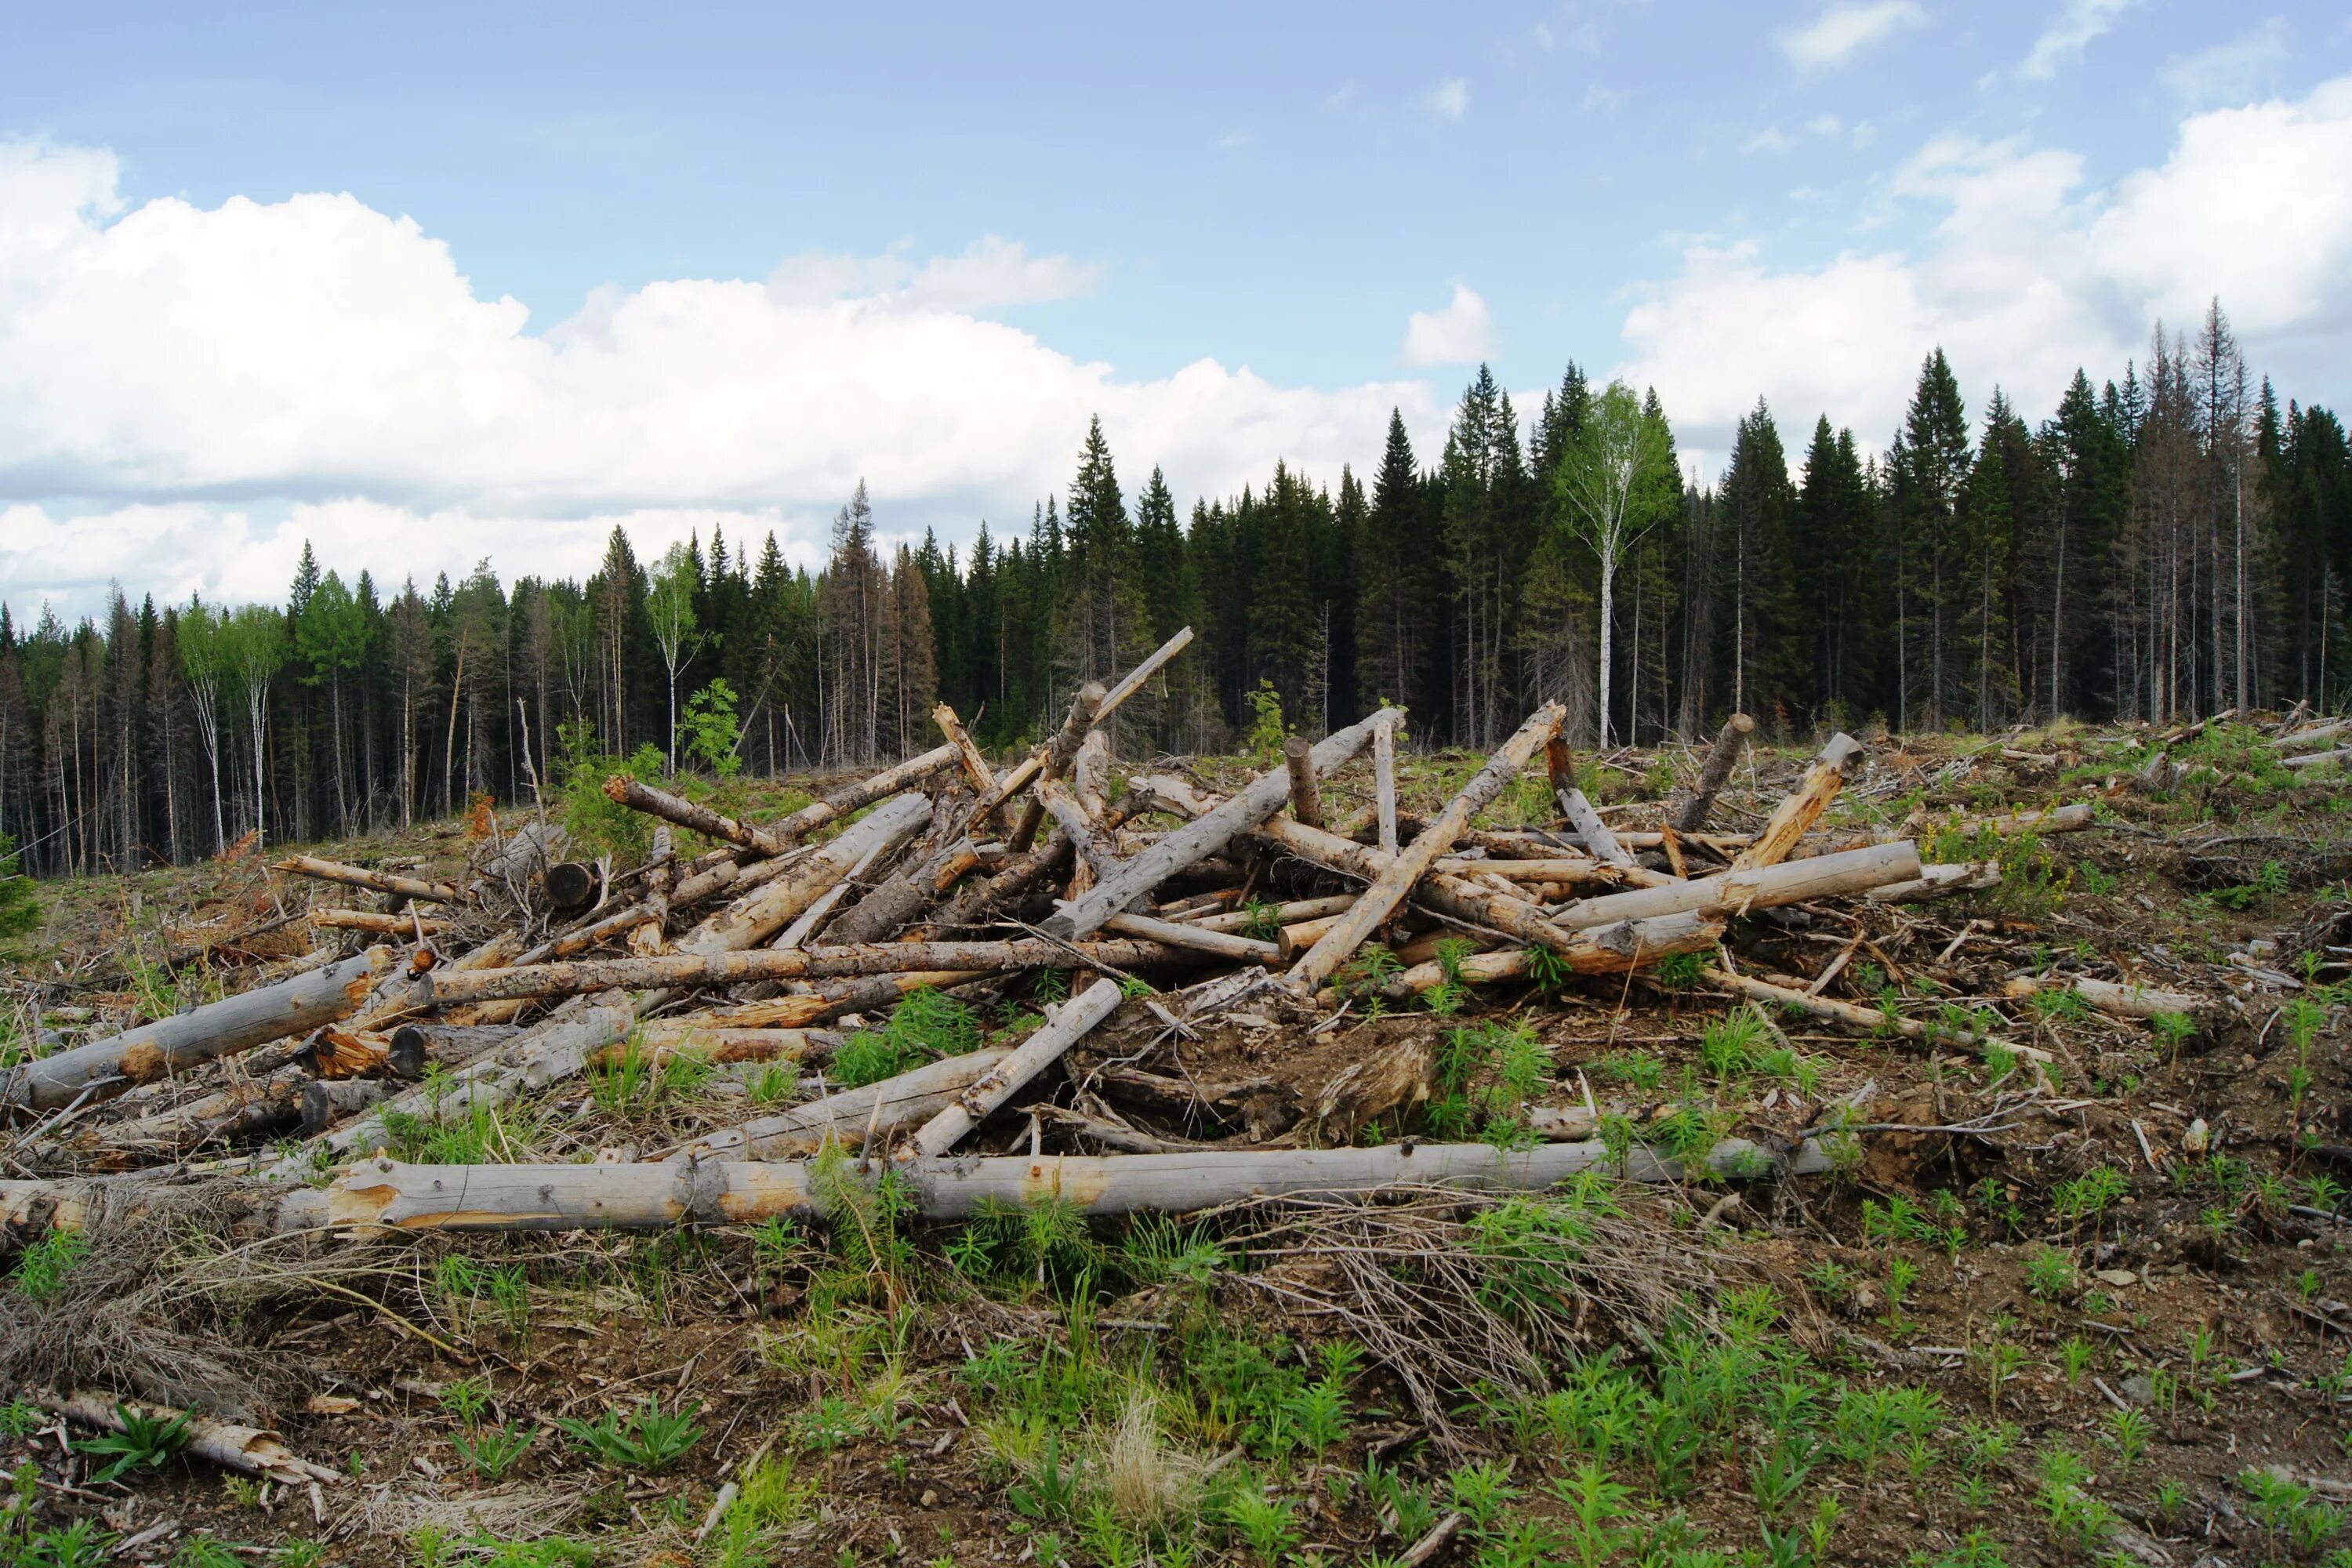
1823 125
213 381
2231 73
2069 34
1599 100
1462 330
1450 98
1544 39
2026 274
1770 139
1846 28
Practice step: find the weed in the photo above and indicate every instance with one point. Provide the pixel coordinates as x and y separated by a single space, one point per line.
1265 1523
43 1265
492 1452
2074 1358
1480 1491
1680 970
145 1442
2049 1274
2291 1517
647 1439
2171 1499
1641 1069
1595 1504
204 1552
927 1024
2127 1430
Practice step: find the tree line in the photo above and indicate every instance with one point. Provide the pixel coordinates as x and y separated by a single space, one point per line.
2166 545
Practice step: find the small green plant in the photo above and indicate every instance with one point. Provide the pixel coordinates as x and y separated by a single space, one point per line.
142 1441
2074 1357
42 1266
648 1438
491 1452
2049 1274
2127 1431
712 734
1266 730
1268 1523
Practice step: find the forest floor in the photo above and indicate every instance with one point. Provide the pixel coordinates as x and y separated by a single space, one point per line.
2090 1312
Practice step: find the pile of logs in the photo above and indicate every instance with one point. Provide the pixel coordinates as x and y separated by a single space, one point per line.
940 873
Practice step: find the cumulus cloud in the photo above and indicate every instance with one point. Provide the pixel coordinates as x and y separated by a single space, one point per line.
184 388
1459 331
1845 29
1450 98
2069 34
2025 274
2232 72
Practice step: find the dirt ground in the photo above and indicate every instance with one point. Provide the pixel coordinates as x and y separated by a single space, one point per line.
2084 1311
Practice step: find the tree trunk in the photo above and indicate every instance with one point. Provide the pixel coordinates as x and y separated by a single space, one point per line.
1056 757
1736 891
1728 742
1066 1027
1604 950
1801 809
106 1067
884 1110
373 881
1384 803
1305 795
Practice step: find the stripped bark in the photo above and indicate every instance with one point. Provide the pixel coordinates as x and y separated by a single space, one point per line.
1803 807
1055 759
385 882
1305 794
1712 775
1736 892
1066 1026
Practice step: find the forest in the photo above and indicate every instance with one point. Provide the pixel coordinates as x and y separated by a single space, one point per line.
2170 543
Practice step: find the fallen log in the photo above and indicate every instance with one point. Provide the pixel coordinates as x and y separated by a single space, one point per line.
1603 949
848 1116
656 1045
1093 856
1289 913
2123 999
1589 827
1379 901
572 885
324 1101
377 923
268 1105
1738 891
2321 759
1176 933
767 909
1712 775
2310 736
1804 807
2055 819
1055 759
424 1043
1869 1020
647 938
976 765
249 1450
105 1067
1063 1027
901 899
1939 881
383 882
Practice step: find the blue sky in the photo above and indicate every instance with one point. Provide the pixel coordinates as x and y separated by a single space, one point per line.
864 224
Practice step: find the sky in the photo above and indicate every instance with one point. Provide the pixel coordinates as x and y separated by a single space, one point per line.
427 284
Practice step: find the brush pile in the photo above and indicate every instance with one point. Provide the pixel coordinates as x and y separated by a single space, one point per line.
784 941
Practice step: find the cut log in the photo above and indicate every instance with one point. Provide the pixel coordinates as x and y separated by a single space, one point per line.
1284 914
324 1101
262 1108
1803 807
2056 819
1068 1024
1716 771
385 882
2312 736
1384 812
646 939
805 924
1055 797
1594 832
975 766
1736 892
901 900
2123 999
1604 950
447 1046
572 885
1026 772
1305 794
2321 759
1379 901
1090 775
1176 934
735 968
249 1450
1940 882
1869 1020
886 1110
767 909
1199 839
106 1067
377 923
674 1039
1055 759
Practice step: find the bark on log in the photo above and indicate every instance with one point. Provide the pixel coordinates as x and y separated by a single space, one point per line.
262 1108
250 1450
447 1046
734 968
1176 934
572 885
376 923
1384 813
1305 794
901 900
656 1045
658 1196
646 939
887 1109
1069 1024
1199 839
1284 914
1595 833
1055 759
1804 807
1090 773
373 881
1736 892
2123 999
1055 797
1830 1010
1728 742
1388 891
1940 882
324 1102
1604 950
976 765
106 1067
767 909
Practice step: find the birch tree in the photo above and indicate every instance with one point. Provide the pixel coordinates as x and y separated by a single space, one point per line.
1609 470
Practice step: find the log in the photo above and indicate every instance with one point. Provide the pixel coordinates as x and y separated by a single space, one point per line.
249 1450
1736 891
572 885
1090 775
324 1101
1804 807
106 1067
805 924
2055 819
1384 813
1305 794
1176 934
646 940
1284 914
1830 1010
2311 735
264 1107
2123 999
1379 901
767 909
683 969
2321 759
886 1109
383 882
377 923
1712 775
1027 771
448 1046
834 998
672 1040
1064 1027
1595 833
900 900
1939 881
504 875
976 765
347 1053
1055 759
1561 869
1054 798
380 1192
1604 950
1199 839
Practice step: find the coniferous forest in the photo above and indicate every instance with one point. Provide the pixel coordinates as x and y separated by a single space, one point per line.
2171 542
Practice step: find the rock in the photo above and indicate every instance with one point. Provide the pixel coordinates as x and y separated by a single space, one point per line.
2117 1276
2139 1388
2198 1139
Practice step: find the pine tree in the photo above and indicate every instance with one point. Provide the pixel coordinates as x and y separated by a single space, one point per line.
1930 459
